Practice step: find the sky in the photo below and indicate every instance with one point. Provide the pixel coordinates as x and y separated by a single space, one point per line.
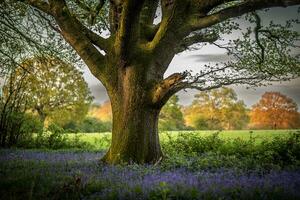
193 60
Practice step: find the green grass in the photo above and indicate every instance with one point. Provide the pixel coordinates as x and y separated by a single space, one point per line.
242 134
101 140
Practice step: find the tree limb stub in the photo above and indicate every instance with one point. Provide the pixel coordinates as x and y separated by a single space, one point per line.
162 89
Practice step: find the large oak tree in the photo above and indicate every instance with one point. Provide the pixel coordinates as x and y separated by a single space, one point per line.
132 61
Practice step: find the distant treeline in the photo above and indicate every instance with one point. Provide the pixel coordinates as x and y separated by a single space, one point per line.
218 109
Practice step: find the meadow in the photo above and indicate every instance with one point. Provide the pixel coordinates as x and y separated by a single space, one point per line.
197 165
102 140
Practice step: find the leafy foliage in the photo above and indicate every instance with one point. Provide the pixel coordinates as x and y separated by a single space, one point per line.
171 117
88 125
197 152
275 110
217 109
26 32
15 123
54 89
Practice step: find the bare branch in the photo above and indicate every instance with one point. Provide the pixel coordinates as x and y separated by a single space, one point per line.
115 10
173 27
256 31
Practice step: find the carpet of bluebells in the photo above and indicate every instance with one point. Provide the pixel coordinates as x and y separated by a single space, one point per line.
188 172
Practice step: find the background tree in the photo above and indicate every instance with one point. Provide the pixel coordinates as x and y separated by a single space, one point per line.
15 123
87 125
98 119
132 59
171 117
55 90
217 109
275 110
102 112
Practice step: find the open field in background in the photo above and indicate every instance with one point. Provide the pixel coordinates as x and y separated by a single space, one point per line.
101 140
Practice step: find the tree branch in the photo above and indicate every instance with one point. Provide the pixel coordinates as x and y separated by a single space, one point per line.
102 43
148 14
75 34
93 12
168 17
197 38
256 32
115 10
148 11
238 10
128 30
161 92
39 4
97 11
83 6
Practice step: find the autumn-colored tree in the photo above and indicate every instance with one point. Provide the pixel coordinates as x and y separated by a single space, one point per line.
101 112
217 109
274 111
171 117
55 90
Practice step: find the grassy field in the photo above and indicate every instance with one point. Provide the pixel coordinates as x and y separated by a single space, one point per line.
102 140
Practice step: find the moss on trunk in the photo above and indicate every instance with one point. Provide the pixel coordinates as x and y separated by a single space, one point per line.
135 121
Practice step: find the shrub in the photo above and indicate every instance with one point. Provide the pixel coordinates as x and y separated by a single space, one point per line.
54 137
17 128
195 152
88 125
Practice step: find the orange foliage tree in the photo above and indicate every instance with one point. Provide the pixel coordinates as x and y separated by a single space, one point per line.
274 110
103 112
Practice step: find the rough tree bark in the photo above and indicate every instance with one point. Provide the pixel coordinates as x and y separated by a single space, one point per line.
135 120
138 53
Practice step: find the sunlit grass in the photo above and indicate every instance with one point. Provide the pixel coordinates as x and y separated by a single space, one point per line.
102 140
259 135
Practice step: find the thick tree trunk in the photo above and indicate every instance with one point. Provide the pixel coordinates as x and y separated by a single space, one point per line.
135 123
134 136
